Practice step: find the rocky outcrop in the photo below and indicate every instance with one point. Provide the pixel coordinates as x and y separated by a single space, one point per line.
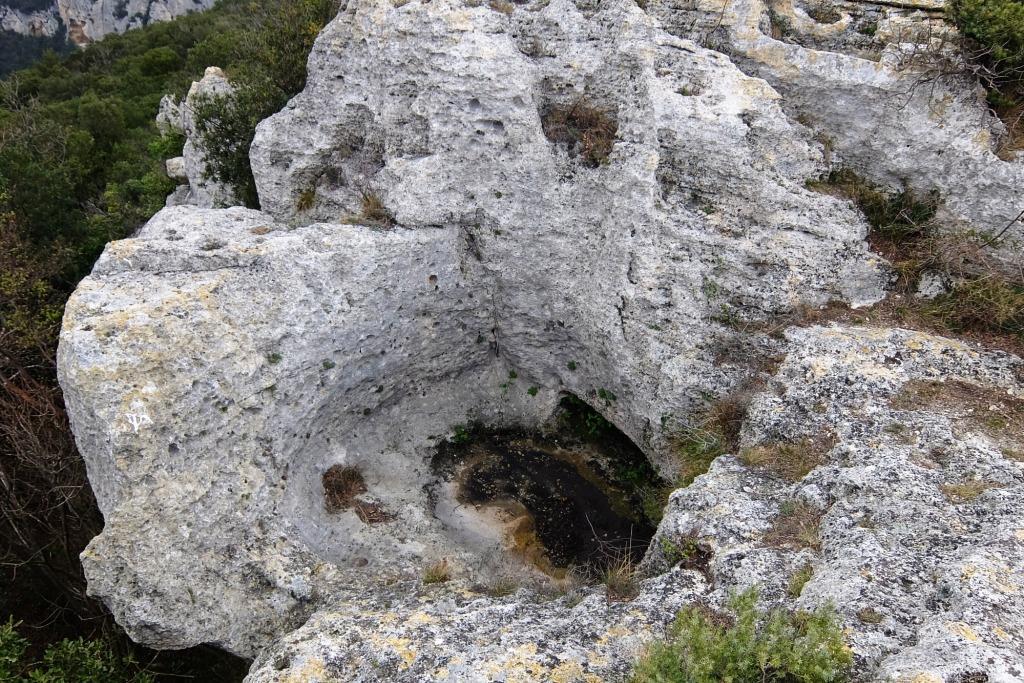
878 85
89 20
925 576
198 188
469 213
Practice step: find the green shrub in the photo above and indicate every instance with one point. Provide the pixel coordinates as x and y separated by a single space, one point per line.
748 646
270 68
997 28
67 661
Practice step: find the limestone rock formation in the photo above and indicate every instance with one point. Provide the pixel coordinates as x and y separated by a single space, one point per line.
925 575
198 187
472 211
89 20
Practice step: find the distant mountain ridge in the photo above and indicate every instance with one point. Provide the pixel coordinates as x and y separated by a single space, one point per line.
29 27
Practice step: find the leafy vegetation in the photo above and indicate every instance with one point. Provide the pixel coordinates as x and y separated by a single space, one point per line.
983 293
994 30
77 660
81 164
749 645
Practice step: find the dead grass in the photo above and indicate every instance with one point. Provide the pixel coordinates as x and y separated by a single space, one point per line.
796 526
621 580
985 298
306 200
989 410
342 484
791 460
438 572
967 491
714 433
372 513
502 6
868 615
372 211
589 132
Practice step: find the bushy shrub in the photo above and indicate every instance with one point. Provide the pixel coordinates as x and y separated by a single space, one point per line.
997 28
67 661
748 646
270 68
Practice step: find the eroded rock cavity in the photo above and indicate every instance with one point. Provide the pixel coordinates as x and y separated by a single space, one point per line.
571 498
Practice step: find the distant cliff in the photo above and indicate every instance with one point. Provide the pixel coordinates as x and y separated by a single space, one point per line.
29 27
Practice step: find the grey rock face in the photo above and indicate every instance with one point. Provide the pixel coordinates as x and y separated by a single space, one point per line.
867 84
219 362
917 490
926 581
89 20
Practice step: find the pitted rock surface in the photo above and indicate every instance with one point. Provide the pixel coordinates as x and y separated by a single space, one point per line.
220 361
939 567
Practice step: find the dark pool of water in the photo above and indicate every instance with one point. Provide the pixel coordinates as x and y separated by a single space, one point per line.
579 512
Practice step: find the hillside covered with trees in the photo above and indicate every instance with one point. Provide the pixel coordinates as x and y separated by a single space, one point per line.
81 164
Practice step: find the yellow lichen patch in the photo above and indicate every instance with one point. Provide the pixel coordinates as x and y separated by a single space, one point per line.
402 649
615 632
311 671
925 677
1000 633
421 618
963 630
572 672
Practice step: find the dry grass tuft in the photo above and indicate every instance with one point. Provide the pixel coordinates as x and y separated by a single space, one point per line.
621 580
372 513
588 131
502 6
716 433
439 572
791 460
967 491
795 527
342 484
868 615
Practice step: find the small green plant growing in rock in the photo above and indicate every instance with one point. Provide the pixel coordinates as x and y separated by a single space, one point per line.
585 422
799 579
532 391
748 645
572 365
607 396
438 572
274 358
461 434
329 364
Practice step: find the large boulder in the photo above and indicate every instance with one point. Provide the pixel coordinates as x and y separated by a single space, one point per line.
470 212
